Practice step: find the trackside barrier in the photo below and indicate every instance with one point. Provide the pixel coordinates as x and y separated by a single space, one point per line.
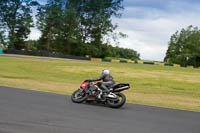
159 63
123 61
176 65
96 59
168 64
106 60
140 62
130 61
47 54
43 53
190 66
148 62
115 61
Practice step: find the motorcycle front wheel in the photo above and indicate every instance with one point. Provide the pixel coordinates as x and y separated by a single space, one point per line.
78 96
117 103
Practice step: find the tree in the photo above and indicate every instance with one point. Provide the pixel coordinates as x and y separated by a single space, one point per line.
184 47
15 22
48 23
69 23
96 18
59 26
124 53
78 27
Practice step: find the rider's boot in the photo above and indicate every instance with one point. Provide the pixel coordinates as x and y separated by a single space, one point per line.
105 89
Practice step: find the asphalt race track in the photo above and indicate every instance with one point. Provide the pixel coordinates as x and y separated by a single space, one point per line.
25 111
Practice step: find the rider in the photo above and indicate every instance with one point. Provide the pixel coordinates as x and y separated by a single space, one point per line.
107 80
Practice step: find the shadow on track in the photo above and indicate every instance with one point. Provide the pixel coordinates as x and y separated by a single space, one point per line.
95 104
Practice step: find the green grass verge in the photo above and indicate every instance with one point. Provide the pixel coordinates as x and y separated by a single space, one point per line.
152 85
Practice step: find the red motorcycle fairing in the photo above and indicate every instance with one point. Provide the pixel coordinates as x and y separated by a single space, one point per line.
84 84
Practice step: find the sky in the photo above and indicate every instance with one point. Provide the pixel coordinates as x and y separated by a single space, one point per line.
149 24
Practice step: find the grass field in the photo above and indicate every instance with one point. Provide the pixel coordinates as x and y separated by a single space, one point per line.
152 85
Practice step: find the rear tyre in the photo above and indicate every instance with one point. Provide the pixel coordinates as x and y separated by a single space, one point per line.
79 96
113 103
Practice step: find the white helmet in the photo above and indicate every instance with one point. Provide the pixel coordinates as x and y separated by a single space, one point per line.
105 71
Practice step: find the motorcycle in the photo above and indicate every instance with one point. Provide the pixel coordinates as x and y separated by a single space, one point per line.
90 92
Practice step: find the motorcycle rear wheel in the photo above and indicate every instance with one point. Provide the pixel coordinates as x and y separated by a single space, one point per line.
78 96
113 103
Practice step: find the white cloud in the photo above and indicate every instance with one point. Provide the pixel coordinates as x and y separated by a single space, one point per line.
35 34
150 32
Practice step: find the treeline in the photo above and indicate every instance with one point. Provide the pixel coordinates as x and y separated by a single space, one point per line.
73 27
184 47
90 50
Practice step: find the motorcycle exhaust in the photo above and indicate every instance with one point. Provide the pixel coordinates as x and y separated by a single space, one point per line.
121 89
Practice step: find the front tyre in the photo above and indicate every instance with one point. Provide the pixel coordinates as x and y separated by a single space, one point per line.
79 96
117 103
